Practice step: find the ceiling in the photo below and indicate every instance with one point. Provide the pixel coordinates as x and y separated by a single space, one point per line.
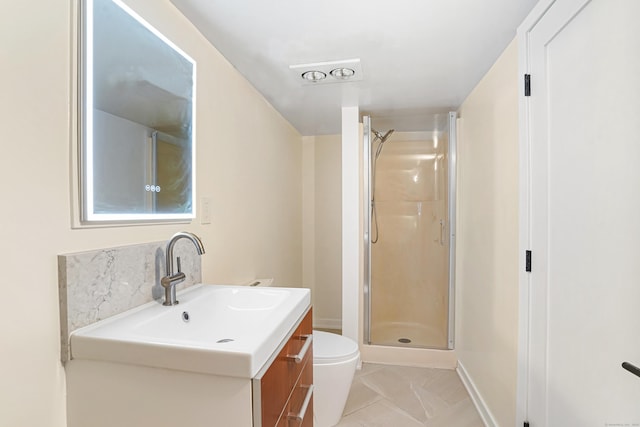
418 57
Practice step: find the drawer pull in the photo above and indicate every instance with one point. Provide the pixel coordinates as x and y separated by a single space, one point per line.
305 404
300 356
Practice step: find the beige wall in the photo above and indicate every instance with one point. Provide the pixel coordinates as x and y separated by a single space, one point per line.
323 230
249 163
487 244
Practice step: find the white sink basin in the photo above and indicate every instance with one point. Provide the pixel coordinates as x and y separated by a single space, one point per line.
221 330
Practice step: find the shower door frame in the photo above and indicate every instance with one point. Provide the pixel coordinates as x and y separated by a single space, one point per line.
451 190
366 280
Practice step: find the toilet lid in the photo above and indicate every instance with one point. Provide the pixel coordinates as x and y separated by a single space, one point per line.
332 348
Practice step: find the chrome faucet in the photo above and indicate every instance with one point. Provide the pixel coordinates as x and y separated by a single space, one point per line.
170 281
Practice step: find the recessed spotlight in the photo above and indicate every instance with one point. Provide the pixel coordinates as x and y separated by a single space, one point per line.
343 73
314 76
328 72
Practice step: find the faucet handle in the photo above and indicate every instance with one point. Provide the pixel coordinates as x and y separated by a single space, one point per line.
178 263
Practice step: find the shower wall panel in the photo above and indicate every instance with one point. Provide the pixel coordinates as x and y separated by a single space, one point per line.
409 274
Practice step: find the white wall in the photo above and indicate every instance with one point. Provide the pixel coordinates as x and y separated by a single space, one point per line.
352 232
487 239
249 163
322 213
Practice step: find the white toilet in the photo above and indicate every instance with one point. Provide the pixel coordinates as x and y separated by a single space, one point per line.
335 359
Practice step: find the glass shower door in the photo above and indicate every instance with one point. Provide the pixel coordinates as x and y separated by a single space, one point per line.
409 261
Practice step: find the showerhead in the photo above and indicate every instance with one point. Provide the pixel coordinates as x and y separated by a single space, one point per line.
382 137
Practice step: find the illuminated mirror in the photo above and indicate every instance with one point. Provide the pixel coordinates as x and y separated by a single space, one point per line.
137 144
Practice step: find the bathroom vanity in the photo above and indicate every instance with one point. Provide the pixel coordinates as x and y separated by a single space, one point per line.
225 356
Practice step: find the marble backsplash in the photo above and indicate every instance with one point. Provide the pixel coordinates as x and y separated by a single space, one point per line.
97 284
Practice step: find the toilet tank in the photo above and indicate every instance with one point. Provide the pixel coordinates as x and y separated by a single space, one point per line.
260 282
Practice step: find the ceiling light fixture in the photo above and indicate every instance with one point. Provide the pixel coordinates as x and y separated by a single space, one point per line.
321 73
343 73
314 76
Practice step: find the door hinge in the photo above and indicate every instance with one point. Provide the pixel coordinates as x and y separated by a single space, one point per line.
527 85
526 424
527 261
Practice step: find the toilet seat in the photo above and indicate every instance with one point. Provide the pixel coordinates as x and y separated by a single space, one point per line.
332 348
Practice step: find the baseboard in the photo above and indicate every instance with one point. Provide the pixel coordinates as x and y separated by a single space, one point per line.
327 323
476 398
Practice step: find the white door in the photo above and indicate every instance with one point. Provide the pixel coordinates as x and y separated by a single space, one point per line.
584 289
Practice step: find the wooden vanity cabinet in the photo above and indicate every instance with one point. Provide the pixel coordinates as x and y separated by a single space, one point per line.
283 391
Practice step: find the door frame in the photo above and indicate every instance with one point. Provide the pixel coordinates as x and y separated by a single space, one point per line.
524 282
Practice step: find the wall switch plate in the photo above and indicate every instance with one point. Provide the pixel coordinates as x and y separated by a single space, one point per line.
205 210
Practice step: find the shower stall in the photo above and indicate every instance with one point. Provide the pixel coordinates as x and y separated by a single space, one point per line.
409 235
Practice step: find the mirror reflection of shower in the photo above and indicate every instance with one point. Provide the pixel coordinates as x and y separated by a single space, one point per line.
381 139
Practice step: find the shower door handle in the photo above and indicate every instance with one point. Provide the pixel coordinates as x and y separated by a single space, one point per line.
441 232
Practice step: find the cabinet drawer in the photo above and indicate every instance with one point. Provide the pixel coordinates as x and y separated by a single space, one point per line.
277 384
299 409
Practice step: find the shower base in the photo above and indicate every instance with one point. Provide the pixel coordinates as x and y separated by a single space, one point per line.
406 334
409 356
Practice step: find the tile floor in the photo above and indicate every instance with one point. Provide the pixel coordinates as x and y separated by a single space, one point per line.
401 396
